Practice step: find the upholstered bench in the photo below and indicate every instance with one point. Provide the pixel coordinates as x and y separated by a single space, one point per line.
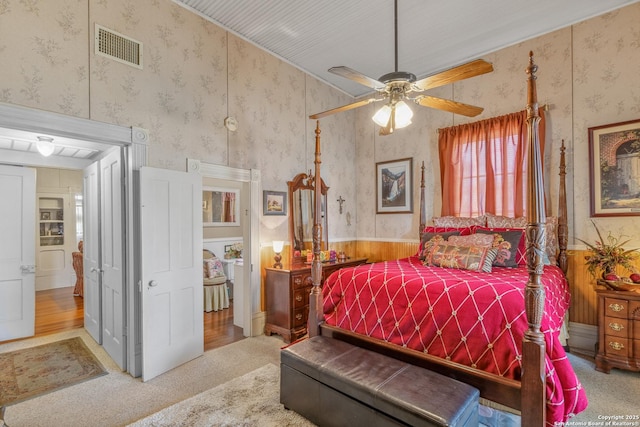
333 383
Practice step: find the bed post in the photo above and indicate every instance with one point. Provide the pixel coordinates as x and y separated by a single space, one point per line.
563 228
533 348
315 299
423 213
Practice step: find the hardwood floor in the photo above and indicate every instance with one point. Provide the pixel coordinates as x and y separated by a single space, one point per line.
58 310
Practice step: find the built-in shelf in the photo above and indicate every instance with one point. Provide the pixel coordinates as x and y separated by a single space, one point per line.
51 221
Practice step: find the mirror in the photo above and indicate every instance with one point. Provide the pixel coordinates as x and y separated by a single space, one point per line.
301 217
220 207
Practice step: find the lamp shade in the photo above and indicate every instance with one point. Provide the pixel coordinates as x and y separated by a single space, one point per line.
277 246
403 115
381 118
45 145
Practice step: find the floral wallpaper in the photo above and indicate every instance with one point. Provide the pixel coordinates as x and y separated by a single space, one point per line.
196 74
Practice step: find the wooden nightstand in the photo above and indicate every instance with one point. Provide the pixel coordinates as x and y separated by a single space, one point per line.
618 330
287 297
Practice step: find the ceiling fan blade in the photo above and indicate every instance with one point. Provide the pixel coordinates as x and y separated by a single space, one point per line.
450 106
356 76
461 72
343 108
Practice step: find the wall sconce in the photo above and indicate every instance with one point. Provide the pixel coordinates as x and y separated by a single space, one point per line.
45 145
278 245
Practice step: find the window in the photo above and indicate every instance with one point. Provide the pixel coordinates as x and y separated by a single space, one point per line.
483 166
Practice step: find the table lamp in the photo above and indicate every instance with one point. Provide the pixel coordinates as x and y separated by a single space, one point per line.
277 248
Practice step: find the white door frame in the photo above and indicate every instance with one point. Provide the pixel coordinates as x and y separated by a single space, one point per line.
254 318
34 122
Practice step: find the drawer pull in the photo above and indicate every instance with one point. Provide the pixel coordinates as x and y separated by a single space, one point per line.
616 307
298 298
616 326
297 280
299 316
616 345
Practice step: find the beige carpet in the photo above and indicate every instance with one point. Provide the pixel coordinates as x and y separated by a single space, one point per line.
42 369
250 400
117 399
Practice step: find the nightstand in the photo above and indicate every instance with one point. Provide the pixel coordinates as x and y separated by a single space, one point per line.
618 330
287 297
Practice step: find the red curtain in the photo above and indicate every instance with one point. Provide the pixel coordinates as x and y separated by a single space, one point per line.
483 166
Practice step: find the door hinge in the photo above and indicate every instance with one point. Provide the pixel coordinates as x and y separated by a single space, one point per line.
139 285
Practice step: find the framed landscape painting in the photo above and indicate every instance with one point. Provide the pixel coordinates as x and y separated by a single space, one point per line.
394 186
614 160
274 203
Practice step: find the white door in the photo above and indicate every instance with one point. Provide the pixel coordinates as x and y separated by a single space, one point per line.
171 285
91 251
17 252
112 256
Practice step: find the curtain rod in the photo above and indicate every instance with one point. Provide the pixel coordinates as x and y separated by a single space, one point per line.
543 107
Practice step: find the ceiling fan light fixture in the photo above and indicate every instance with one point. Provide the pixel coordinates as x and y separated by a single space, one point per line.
381 117
45 145
402 114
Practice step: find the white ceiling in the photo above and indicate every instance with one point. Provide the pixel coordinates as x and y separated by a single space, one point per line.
19 147
433 36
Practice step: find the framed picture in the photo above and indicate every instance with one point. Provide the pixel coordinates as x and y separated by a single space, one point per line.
394 186
220 207
45 216
274 202
614 152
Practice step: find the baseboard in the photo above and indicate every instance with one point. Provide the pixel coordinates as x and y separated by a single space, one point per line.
258 321
583 338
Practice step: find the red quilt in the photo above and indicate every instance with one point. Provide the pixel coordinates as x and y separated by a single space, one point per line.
472 318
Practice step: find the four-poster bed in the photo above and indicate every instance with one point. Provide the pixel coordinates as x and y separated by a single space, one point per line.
538 380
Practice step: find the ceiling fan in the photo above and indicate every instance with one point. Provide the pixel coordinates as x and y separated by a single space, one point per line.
398 86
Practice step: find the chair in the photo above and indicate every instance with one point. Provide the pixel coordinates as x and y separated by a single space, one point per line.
76 257
216 292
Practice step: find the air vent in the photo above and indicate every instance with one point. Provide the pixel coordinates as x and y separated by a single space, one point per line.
118 47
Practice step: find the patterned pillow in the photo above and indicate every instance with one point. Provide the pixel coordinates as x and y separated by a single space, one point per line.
457 222
429 232
429 239
497 221
510 243
472 240
475 258
214 268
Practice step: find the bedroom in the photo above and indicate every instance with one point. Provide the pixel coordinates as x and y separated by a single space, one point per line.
588 74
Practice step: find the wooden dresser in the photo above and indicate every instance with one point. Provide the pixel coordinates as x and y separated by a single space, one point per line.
287 297
618 330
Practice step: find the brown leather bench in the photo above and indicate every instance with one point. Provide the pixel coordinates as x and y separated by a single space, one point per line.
333 383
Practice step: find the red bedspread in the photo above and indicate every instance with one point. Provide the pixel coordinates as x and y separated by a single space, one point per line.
472 318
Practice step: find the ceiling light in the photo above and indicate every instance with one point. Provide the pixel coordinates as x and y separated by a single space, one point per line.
45 145
403 115
400 111
381 118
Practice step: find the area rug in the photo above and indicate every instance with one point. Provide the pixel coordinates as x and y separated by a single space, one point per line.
250 400
45 368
